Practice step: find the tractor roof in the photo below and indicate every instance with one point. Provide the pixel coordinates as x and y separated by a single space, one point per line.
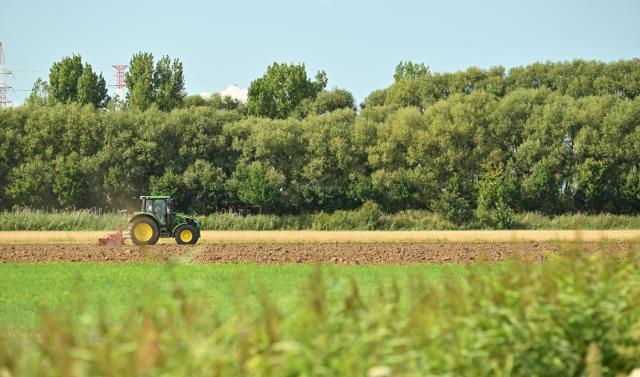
155 197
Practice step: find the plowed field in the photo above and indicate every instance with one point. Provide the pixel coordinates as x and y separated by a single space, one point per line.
295 253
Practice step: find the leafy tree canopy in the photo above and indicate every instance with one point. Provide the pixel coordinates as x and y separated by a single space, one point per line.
162 84
410 70
70 81
281 89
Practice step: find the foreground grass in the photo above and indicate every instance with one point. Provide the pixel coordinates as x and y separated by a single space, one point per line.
26 288
571 316
31 219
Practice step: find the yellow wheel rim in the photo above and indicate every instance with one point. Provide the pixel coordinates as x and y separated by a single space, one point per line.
143 232
186 235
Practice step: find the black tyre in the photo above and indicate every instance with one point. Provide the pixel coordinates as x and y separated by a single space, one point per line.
186 234
144 231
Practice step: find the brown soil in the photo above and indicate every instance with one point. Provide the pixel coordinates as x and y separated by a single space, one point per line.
287 253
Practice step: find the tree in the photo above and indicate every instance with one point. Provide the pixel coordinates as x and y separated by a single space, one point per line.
494 82
139 81
476 141
31 184
395 136
541 188
405 93
257 184
205 183
396 189
631 190
11 151
92 89
168 84
70 182
323 178
411 86
493 209
375 98
328 101
70 81
170 184
281 89
194 100
63 79
39 93
162 84
410 70
593 186
454 202
216 101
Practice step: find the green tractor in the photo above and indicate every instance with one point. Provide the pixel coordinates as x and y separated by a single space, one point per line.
157 219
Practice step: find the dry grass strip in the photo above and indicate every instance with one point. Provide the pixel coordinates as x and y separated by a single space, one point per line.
89 237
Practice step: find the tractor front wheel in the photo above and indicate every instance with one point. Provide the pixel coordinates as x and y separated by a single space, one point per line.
186 234
144 231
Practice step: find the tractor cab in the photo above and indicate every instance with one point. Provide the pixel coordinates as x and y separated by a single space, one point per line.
159 206
158 219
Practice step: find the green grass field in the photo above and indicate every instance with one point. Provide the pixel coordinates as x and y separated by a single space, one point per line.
25 288
572 315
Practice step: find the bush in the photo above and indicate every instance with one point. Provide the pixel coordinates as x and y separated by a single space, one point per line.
453 207
366 217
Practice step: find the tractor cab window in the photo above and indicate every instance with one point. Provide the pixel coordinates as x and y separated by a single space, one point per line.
160 210
148 206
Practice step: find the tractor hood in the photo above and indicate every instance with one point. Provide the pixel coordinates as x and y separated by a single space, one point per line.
185 217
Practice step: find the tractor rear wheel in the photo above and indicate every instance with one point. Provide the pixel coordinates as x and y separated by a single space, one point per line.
144 231
186 234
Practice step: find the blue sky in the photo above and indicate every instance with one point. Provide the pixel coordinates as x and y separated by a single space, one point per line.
358 43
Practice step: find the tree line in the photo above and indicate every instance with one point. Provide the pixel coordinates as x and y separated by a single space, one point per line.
477 144
160 84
